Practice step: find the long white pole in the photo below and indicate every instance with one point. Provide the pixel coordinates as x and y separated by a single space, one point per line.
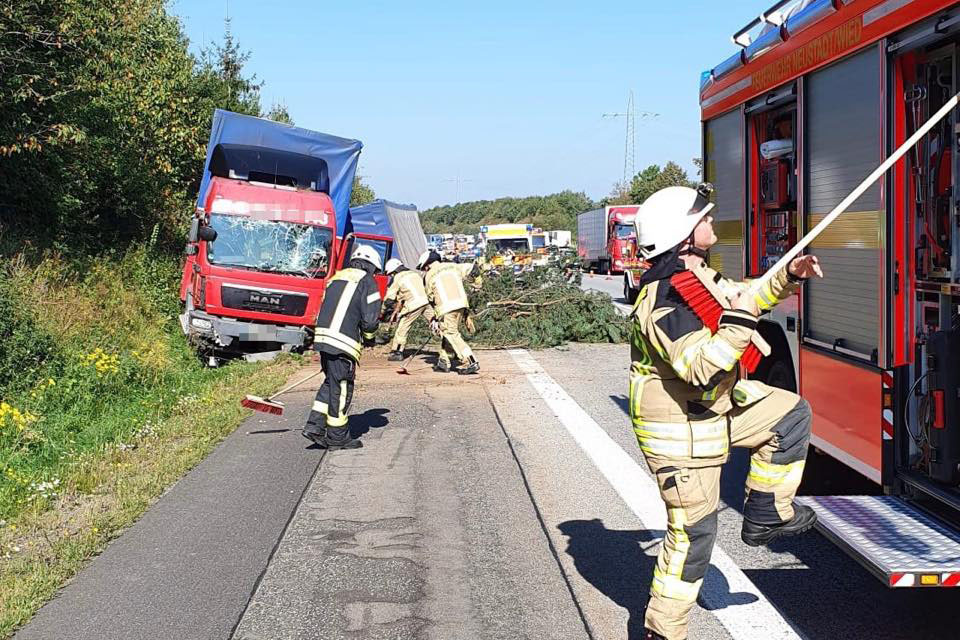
856 193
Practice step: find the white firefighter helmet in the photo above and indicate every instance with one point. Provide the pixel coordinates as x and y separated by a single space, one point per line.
426 257
392 265
669 216
368 253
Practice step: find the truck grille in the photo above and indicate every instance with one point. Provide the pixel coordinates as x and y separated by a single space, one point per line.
265 300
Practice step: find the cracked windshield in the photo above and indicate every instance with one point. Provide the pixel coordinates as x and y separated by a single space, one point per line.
270 245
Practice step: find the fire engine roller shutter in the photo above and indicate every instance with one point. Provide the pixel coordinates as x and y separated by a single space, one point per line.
723 146
842 147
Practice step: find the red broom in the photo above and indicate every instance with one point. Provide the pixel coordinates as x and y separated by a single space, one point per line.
268 405
703 303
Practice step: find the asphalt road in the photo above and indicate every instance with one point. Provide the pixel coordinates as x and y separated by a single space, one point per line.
610 285
514 504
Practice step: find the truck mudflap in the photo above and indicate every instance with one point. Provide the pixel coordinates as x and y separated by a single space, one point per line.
896 541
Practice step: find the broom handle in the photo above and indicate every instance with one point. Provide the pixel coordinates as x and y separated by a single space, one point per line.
756 285
296 384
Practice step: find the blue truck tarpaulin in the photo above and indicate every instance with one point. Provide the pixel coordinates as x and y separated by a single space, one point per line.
340 154
398 221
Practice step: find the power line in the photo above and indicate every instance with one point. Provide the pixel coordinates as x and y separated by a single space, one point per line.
630 142
459 182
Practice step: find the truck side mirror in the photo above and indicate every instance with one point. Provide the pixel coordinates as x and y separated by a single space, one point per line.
207 234
194 229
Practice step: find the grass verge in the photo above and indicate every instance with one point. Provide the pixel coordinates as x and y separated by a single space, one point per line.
105 491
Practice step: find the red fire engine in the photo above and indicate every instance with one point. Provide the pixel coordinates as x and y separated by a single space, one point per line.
819 92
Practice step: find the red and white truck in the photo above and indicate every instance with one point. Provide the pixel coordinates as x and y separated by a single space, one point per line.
815 98
267 235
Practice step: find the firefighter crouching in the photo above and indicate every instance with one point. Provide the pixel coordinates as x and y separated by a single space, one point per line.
448 308
406 290
347 321
689 406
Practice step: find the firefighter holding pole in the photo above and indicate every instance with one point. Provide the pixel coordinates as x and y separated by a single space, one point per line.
692 331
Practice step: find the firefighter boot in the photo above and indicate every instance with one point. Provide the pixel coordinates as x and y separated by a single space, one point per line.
315 437
339 438
472 367
443 366
755 534
395 356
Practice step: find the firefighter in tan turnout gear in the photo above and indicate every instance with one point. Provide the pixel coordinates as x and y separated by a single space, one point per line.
406 290
448 309
689 404
346 323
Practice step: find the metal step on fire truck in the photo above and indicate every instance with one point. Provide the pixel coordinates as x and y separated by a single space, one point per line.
816 96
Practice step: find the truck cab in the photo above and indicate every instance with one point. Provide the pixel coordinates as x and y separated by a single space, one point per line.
259 253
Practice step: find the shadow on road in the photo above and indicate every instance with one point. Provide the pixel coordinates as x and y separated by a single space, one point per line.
617 563
361 423
614 562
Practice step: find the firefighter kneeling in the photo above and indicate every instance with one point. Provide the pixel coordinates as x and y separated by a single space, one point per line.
688 404
444 285
347 320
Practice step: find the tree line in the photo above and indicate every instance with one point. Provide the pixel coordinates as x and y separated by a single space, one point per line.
551 212
104 119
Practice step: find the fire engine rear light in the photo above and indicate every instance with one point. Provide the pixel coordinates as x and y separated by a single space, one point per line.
930 579
201 323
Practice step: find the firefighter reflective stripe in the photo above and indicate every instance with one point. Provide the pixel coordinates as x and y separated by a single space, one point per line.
765 298
673 587
717 350
320 407
712 394
663 438
676 519
637 380
768 474
338 340
710 439
341 418
746 392
343 304
373 297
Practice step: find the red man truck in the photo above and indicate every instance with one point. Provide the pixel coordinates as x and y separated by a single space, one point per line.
266 237
818 94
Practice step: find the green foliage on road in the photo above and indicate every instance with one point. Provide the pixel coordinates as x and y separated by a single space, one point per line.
555 211
538 308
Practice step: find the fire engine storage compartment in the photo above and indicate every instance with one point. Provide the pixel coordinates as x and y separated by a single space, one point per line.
398 221
927 447
724 167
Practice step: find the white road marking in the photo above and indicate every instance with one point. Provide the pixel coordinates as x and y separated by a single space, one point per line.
758 619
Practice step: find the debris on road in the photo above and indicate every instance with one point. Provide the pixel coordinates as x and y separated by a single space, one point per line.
537 308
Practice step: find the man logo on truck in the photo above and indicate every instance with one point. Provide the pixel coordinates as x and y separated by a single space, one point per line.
265 299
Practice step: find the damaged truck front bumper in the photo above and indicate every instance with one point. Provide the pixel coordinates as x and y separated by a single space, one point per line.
229 333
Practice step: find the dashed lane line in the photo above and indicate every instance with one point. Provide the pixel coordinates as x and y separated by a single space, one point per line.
759 619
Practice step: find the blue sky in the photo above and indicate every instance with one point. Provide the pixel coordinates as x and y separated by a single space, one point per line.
506 95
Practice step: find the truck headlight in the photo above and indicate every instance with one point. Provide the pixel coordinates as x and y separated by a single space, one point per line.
201 323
